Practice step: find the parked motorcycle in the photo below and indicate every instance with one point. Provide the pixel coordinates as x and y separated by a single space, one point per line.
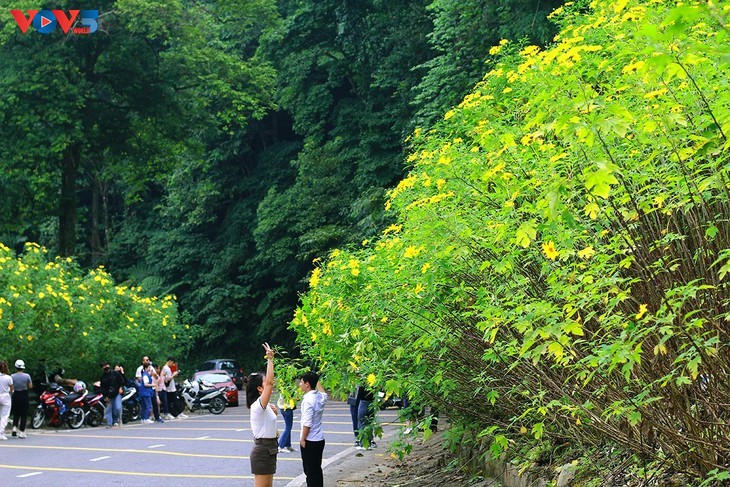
131 409
94 408
200 395
57 407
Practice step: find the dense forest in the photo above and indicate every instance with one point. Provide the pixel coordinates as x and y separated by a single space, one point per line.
214 149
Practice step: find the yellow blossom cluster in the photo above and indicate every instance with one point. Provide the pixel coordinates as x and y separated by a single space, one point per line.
46 301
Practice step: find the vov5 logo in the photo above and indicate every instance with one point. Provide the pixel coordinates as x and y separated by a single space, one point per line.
46 21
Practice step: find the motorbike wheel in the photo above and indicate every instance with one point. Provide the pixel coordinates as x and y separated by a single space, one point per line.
95 416
75 417
217 405
38 418
131 412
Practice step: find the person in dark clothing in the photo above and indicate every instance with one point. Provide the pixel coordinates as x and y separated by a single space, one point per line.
19 409
112 383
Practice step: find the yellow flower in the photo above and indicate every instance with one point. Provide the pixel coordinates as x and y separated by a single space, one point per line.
642 311
412 252
655 93
11 325
392 229
314 280
549 249
586 253
371 379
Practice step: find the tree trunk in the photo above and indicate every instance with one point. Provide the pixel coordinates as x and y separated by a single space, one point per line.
67 203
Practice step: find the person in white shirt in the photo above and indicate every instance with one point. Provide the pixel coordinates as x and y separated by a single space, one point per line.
145 365
312 437
263 423
174 407
6 391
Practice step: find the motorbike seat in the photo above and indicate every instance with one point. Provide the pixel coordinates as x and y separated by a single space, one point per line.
71 397
74 396
206 392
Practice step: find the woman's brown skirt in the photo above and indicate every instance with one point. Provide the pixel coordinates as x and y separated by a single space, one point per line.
263 456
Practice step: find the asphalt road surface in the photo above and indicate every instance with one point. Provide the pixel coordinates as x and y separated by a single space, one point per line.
202 450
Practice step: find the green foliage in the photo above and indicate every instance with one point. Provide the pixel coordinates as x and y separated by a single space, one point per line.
213 149
463 32
54 314
556 267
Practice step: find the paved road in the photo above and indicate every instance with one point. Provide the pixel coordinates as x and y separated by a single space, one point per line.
203 450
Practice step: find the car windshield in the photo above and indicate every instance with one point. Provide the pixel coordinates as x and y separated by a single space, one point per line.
215 378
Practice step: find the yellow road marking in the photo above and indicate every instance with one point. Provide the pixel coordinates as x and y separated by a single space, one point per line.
112 437
129 450
135 474
235 430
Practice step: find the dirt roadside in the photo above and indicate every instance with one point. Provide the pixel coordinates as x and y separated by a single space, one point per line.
427 465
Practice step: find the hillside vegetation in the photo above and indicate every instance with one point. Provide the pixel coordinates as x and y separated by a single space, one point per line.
558 270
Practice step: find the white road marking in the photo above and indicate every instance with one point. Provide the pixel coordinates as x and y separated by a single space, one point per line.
155 446
203 438
29 475
99 458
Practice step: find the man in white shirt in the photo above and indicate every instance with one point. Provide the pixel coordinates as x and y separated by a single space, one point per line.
145 363
312 437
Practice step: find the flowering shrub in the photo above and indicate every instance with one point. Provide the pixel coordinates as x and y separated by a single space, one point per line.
52 313
559 269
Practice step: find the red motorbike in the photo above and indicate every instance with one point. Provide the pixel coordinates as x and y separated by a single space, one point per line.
94 406
57 407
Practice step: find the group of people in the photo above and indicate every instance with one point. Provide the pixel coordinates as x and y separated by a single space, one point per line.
14 398
263 425
156 386
158 391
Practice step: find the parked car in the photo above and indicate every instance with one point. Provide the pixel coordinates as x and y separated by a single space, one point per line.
221 379
229 365
390 401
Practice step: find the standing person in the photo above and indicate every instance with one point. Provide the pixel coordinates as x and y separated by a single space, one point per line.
173 402
353 402
6 389
21 384
312 438
156 402
286 405
263 423
145 363
167 377
146 393
365 419
126 383
112 387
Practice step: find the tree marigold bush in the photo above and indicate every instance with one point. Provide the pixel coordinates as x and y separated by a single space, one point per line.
559 269
54 314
